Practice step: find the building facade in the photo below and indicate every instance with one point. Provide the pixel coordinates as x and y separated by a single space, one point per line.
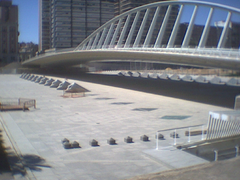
8 32
122 6
66 23
44 24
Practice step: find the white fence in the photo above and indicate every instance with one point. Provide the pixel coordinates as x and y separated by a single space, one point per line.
223 124
180 136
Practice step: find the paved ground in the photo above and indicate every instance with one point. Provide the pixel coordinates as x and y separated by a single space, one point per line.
35 136
221 170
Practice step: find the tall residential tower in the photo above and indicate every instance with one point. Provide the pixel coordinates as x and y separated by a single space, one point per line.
122 6
8 32
66 23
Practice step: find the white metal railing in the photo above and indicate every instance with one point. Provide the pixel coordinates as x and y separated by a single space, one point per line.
223 124
180 136
214 52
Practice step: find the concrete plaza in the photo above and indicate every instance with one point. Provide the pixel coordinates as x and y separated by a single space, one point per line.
35 136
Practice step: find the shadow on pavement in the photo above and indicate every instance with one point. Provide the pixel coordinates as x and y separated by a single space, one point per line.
4 166
11 164
28 161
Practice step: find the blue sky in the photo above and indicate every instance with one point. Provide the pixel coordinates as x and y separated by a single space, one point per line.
28 17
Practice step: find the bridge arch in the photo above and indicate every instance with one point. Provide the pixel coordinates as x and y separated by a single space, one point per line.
155 33
158 25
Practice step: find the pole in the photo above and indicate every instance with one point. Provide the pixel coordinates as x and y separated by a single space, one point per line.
189 140
175 136
216 155
237 150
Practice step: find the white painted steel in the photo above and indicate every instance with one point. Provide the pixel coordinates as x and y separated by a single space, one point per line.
129 38
204 36
106 42
100 42
181 139
139 35
117 39
115 33
89 44
223 37
175 29
223 124
190 28
151 29
95 40
124 30
172 7
163 28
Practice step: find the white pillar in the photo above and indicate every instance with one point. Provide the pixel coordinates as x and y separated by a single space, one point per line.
124 30
129 38
89 44
151 29
112 43
175 29
161 32
216 155
223 37
202 132
189 140
95 41
139 35
108 36
207 27
190 28
103 35
175 137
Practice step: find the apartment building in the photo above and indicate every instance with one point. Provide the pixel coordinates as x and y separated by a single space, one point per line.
8 32
66 23
122 6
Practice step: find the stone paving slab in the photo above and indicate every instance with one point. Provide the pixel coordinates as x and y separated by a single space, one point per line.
103 113
175 158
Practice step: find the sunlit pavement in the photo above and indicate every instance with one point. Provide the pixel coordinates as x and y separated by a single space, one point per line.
103 113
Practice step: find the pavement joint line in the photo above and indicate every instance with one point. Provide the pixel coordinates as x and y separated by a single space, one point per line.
29 175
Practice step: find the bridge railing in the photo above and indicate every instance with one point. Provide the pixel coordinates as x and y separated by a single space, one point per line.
211 52
223 52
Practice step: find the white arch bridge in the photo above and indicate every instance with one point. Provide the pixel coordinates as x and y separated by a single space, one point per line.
174 32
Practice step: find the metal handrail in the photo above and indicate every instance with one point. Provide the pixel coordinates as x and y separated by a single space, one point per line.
175 131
